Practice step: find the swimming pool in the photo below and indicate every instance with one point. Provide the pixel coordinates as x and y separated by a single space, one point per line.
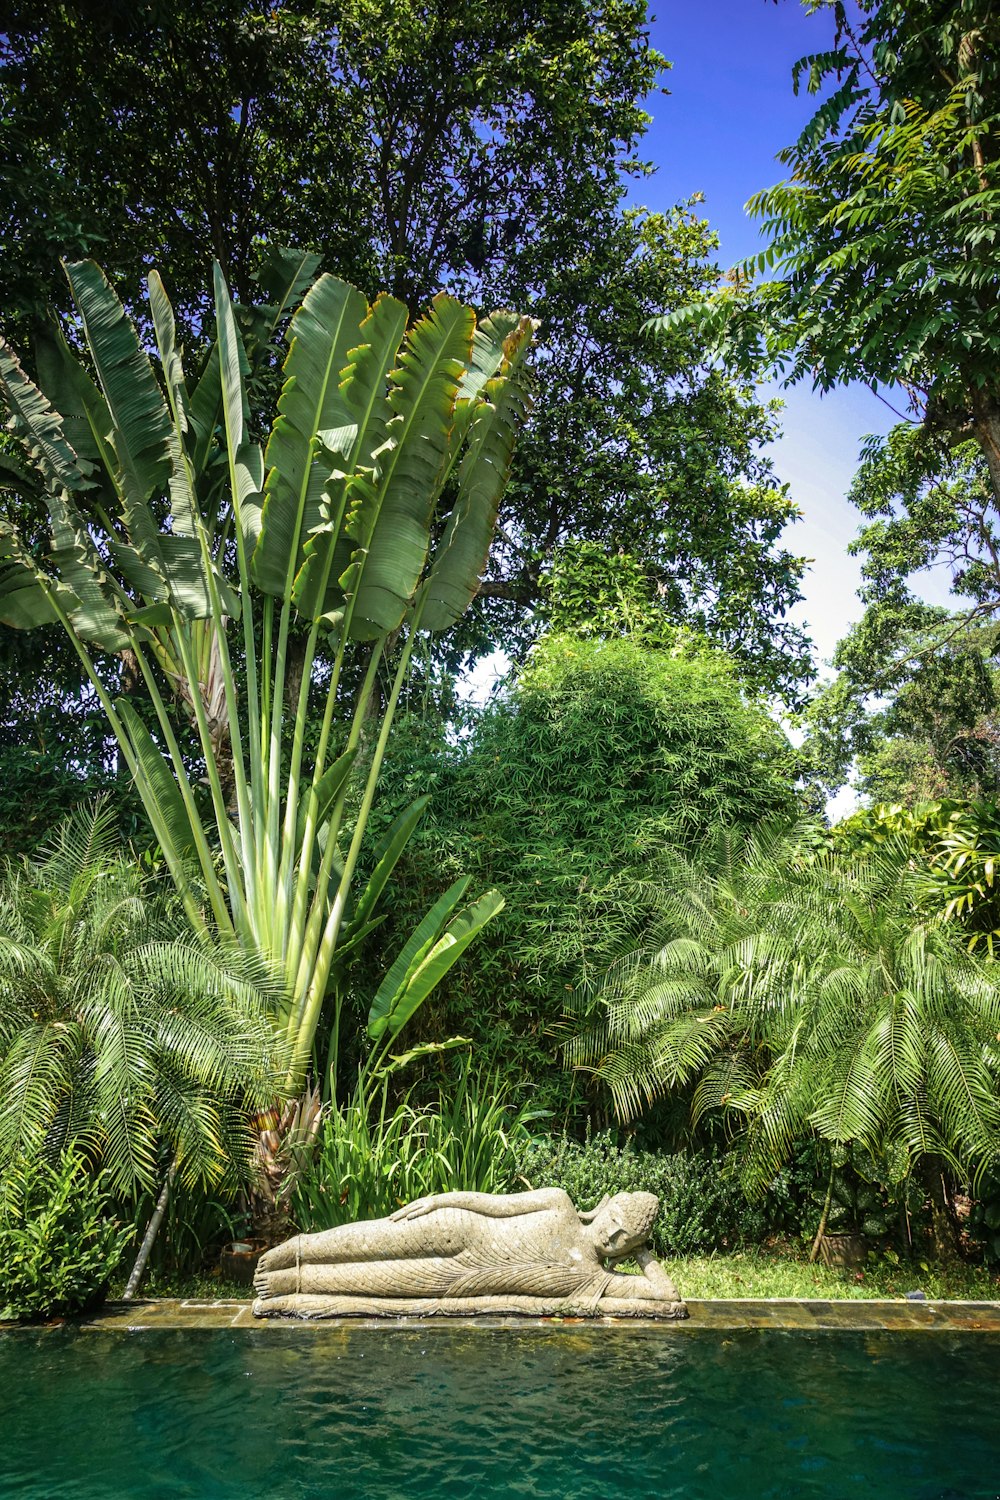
569 1412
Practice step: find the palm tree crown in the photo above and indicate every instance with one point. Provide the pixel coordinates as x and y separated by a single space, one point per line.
802 994
115 1034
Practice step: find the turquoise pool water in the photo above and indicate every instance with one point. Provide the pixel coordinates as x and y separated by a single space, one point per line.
568 1413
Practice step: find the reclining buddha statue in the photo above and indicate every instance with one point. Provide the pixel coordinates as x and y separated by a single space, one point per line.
464 1253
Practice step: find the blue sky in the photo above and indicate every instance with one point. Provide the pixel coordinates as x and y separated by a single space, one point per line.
729 111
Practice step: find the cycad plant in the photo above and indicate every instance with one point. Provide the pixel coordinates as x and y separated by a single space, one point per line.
169 524
119 1039
801 993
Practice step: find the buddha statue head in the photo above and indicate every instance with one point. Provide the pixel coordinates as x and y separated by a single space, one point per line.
624 1223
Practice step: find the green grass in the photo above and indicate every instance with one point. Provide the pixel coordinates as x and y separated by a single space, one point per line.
784 1271
201 1285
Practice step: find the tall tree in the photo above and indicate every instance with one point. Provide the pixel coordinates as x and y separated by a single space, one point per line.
664 462
912 724
479 146
884 235
411 145
915 703
168 524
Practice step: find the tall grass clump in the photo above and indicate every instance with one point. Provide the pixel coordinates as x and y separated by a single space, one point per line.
372 1157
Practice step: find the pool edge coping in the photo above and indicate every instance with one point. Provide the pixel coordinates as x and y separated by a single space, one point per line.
716 1314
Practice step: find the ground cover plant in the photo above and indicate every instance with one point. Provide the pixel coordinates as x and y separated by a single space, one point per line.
778 1269
787 1272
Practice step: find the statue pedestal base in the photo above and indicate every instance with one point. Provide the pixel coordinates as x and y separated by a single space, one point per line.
306 1305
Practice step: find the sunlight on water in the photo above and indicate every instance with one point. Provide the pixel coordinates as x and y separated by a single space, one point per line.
568 1413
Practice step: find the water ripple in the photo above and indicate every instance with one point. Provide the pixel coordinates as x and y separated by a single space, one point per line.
543 1413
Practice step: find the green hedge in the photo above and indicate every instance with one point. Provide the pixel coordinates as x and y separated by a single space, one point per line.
702 1207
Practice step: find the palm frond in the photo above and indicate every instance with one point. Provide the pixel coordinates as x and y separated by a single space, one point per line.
802 992
117 1036
82 845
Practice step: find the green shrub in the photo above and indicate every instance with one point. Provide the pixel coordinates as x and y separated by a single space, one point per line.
564 795
58 1243
799 995
117 1030
983 1224
702 1206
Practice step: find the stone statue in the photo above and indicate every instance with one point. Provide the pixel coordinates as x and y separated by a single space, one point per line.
464 1253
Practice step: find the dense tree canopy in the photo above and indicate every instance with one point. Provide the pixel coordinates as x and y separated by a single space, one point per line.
915 702
907 723
481 147
883 253
641 448
411 145
883 236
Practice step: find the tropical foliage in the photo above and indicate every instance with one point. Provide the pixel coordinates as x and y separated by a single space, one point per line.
119 1038
168 522
59 1241
647 449
888 216
801 995
702 1206
250 534
883 250
954 849
373 1155
564 792
483 149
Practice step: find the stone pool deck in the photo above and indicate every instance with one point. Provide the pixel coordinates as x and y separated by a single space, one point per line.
868 1316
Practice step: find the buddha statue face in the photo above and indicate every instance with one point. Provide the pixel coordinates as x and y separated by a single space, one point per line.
624 1223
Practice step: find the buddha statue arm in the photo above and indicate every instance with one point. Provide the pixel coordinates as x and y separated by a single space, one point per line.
491 1205
653 1285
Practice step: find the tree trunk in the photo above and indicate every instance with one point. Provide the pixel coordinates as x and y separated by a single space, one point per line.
823 1218
986 425
295 661
152 1228
286 1139
944 1225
